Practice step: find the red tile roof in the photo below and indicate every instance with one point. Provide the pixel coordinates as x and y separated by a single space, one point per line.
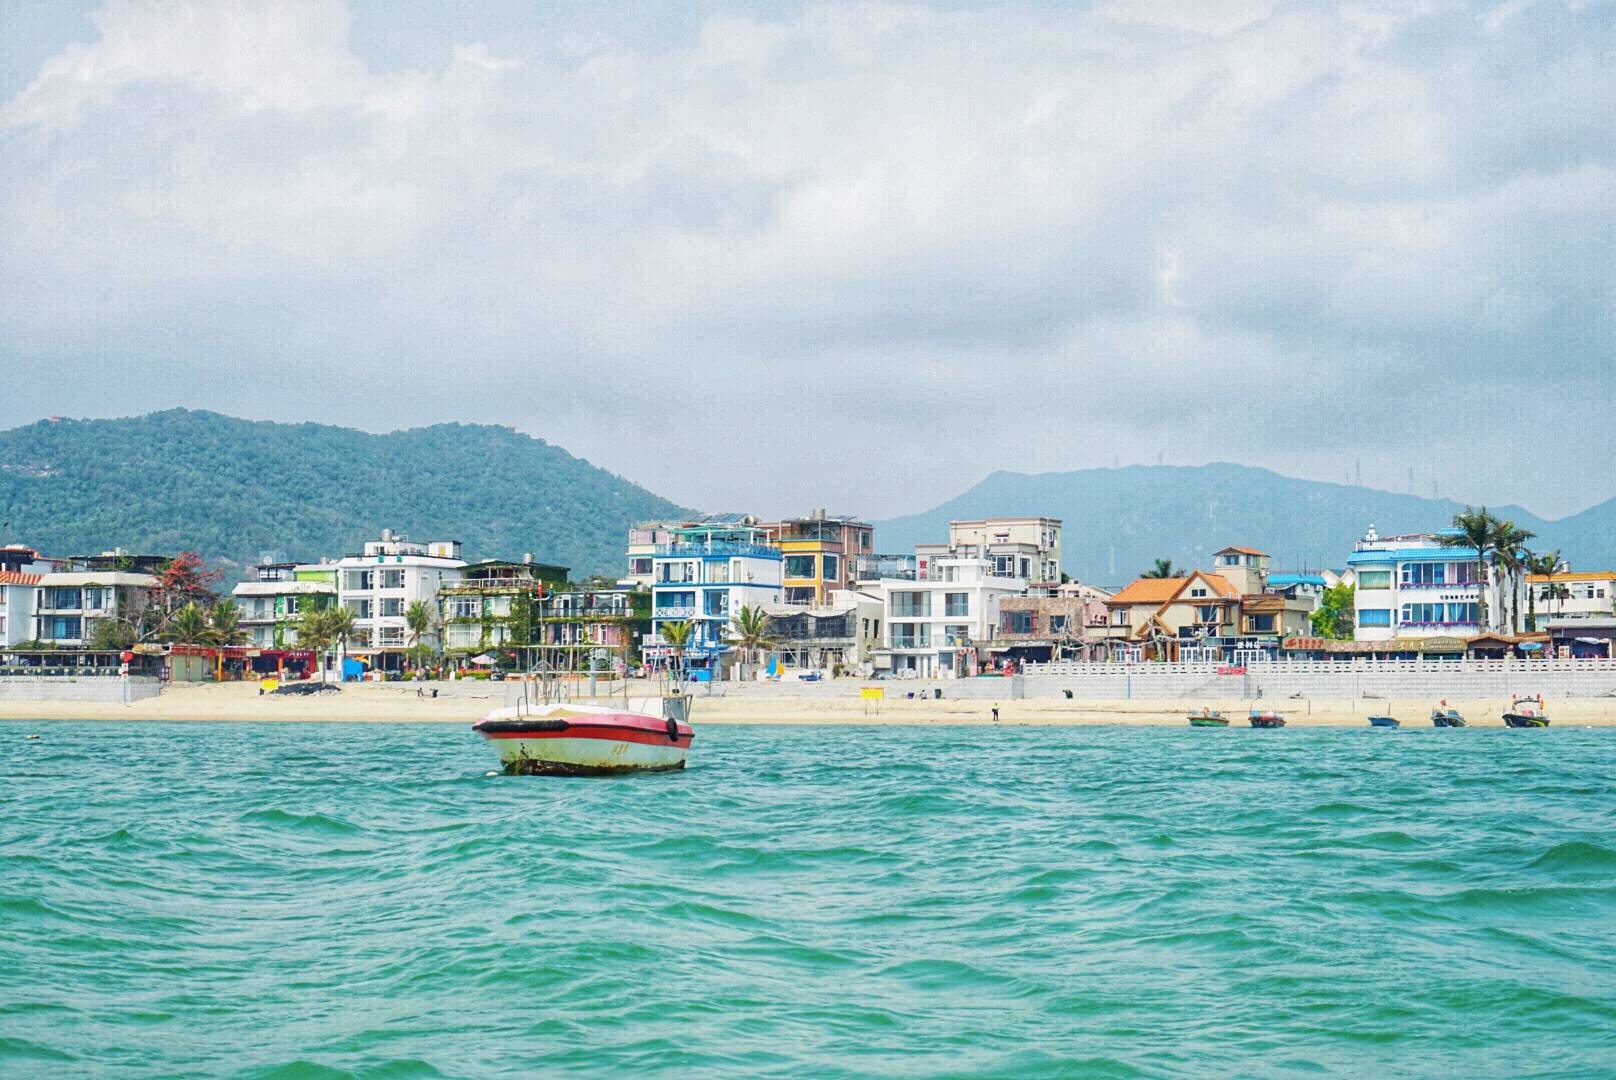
14 577
1245 551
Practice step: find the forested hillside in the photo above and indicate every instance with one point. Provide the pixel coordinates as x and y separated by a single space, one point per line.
230 489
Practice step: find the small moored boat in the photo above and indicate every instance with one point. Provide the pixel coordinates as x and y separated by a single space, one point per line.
1262 718
1383 721
1527 712
575 739
1442 716
1208 718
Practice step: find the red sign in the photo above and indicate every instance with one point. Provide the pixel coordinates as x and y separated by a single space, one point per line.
1231 671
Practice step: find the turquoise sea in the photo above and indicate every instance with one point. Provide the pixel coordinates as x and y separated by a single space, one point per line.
352 900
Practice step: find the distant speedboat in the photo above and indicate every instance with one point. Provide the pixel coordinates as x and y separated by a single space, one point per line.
1208 718
1442 716
575 739
1383 721
1527 712
1262 718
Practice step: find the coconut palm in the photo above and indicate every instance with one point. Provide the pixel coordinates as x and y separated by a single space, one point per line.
1476 529
314 632
418 617
226 619
1163 569
1544 565
342 630
1510 544
189 626
678 634
751 626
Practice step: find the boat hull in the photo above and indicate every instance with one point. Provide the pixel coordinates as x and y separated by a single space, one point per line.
1447 721
1207 721
607 745
1267 721
1513 720
1383 721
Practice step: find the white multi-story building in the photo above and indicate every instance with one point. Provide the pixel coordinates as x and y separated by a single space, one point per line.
705 576
379 586
21 571
70 603
1416 587
936 622
275 600
1567 595
1028 548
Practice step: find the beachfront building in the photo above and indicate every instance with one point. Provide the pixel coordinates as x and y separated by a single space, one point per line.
493 604
939 623
1411 587
1028 548
704 575
381 582
1569 596
599 629
1187 618
643 541
89 590
21 571
1301 585
841 634
819 552
1068 622
276 597
876 568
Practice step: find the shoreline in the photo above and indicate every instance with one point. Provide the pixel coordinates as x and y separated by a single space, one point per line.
462 703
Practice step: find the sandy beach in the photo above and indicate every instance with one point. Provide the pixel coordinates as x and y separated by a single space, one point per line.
464 703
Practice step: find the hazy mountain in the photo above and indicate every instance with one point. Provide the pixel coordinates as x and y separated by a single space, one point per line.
229 488
1117 521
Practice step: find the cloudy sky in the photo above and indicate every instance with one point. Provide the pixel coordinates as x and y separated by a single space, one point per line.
783 255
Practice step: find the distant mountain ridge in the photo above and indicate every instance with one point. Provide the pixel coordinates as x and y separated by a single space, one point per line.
231 489
1118 521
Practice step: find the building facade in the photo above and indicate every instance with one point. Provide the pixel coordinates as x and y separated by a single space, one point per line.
494 604
1414 586
276 598
89 590
1567 595
842 634
820 554
940 623
379 584
1028 548
707 573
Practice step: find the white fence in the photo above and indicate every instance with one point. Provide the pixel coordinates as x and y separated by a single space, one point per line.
1356 665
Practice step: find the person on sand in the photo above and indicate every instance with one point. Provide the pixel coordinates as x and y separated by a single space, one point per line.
995 712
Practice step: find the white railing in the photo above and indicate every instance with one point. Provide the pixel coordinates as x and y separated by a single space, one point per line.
1326 667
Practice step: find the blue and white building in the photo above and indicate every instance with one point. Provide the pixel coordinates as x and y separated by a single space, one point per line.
1415 587
708 572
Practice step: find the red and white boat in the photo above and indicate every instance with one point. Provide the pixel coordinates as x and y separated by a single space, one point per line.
575 739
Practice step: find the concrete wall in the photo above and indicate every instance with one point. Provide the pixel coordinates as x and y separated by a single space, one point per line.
87 688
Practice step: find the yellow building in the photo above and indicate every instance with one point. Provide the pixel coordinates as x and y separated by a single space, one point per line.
820 552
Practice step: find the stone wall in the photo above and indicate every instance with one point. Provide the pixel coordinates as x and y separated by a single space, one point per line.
101 688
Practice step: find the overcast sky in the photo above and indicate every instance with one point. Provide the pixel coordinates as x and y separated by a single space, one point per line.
771 257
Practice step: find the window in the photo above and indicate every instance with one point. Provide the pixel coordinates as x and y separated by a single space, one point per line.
716 601
392 579
462 636
1261 624
911 605
800 594
675 573
67 600
639 567
1464 573
799 566
1004 566
956 604
911 636
65 627
360 608
499 606
829 567
1208 613
675 600
392 607
259 606
1119 617
1057 623
1020 622
1026 568
1374 579
1425 573
957 635
465 607
357 580
717 572
1374 616
1197 592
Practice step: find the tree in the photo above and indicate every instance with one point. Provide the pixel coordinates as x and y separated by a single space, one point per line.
342 630
189 626
226 619
113 635
1510 544
1336 618
1475 529
1543 565
752 625
678 634
418 617
1163 569
314 632
184 581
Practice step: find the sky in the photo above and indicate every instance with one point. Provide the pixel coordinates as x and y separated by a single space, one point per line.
772 257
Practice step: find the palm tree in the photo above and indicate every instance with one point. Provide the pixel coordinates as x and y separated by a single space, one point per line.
226 618
751 626
189 626
418 617
1510 543
1543 565
314 632
1163 569
1475 529
677 634
342 630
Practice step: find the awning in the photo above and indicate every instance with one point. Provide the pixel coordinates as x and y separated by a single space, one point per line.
484 660
1593 640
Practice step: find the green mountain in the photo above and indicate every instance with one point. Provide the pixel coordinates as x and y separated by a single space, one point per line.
1117 521
231 489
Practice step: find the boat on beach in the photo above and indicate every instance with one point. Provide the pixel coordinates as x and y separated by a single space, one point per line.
1384 721
1263 718
1208 718
580 739
1443 716
1527 712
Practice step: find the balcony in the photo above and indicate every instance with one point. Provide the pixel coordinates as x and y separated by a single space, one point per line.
717 547
687 611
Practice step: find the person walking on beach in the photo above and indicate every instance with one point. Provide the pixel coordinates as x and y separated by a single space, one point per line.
995 712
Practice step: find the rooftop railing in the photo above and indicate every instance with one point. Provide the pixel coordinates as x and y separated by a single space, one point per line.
717 547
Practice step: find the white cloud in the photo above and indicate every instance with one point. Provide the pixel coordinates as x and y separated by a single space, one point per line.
854 233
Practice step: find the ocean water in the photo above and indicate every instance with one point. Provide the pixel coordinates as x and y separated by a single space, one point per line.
349 900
